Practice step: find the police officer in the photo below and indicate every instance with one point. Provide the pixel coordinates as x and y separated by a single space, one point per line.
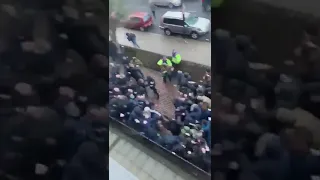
166 68
176 60
176 57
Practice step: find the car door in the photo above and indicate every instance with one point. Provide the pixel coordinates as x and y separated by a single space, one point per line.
187 28
176 26
134 22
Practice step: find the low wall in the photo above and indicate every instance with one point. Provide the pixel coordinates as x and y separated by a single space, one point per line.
150 59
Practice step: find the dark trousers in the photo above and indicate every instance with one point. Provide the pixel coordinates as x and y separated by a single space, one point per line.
154 13
174 73
134 42
166 76
155 91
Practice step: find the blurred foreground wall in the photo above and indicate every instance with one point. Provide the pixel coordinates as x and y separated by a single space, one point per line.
275 26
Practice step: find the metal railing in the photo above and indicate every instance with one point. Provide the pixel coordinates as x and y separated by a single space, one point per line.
166 154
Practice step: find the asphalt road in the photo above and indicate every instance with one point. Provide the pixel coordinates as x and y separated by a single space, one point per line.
193 6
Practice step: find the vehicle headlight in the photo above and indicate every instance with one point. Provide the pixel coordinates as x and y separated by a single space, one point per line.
198 29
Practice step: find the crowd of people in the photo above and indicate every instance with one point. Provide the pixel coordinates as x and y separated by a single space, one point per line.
53 96
188 134
254 128
253 132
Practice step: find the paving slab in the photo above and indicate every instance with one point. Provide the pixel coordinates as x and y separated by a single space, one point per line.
119 172
193 51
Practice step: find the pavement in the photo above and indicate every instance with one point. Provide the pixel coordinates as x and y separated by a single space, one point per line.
193 6
140 161
192 51
118 171
167 93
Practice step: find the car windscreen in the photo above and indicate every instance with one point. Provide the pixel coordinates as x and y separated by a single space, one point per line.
191 20
146 17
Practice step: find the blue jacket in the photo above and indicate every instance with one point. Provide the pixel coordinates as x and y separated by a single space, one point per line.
136 114
169 141
205 114
196 112
131 36
152 134
207 132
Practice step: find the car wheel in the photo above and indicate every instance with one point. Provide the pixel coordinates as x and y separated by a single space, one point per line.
194 35
171 5
141 28
167 32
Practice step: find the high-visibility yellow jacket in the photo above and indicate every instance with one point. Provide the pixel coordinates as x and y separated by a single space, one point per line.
167 62
176 59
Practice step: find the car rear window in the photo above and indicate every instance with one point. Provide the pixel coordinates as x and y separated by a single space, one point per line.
146 18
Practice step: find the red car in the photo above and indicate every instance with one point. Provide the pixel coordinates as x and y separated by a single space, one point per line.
139 20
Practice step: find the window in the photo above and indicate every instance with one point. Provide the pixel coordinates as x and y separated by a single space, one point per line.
134 20
173 22
146 18
191 20
167 21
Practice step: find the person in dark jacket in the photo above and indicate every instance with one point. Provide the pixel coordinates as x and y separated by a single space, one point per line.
153 9
136 73
183 78
151 83
136 117
132 38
